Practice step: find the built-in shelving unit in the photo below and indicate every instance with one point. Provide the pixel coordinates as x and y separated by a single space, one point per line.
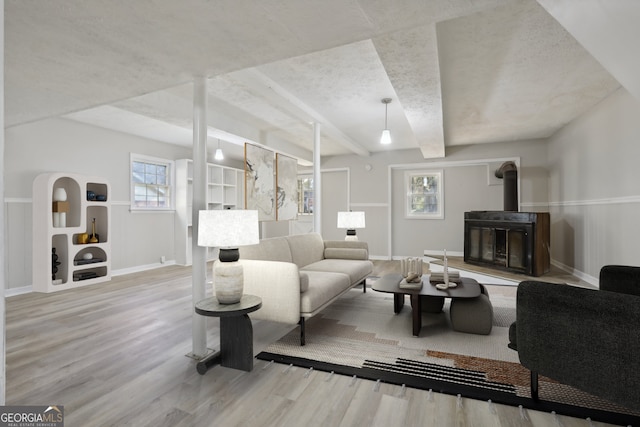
225 190
82 260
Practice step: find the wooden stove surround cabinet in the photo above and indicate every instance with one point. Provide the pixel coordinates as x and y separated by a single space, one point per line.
506 240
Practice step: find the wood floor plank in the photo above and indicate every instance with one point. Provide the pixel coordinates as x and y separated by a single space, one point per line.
115 354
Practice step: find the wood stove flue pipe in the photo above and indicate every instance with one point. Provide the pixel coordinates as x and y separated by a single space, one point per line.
509 172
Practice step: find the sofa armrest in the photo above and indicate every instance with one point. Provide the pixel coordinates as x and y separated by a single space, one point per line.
574 335
346 249
278 284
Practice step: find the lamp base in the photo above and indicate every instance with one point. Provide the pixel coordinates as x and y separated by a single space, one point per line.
351 235
228 282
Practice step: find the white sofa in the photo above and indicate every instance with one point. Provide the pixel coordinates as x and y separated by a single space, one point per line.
298 276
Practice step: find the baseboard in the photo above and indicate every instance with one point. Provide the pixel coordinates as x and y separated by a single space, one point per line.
12 292
440 252
577 273
139 268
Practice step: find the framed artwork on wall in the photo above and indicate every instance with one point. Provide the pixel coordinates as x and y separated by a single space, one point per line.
424 198
259 181
286 187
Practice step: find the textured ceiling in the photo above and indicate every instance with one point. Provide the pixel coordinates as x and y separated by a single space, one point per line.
458 71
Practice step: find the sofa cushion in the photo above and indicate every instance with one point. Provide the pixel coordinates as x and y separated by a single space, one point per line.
274 249
345 253
356 270
323 287
304 282
305 248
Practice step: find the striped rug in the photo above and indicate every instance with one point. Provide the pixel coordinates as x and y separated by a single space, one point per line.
361 335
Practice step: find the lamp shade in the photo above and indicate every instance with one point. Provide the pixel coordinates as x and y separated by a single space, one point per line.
228 228
385 139
351 220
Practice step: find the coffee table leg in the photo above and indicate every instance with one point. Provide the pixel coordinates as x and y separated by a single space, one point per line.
416 314
398 302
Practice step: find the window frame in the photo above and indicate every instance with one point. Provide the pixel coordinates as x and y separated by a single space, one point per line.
170 185
301 194
438 177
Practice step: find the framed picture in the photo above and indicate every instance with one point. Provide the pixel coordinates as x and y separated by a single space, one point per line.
259 181
286 188
424 194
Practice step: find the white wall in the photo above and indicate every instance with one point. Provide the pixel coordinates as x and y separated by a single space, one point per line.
594 194
59 145
585 175
467 172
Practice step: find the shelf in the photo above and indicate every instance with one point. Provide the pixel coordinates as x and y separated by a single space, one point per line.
223 191
230 177
71 190
59 243
214 174
97 192
68 241
91 273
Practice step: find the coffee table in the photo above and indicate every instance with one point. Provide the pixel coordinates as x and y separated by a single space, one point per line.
466 288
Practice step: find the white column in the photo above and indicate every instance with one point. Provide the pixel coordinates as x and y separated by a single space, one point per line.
199 254
317 180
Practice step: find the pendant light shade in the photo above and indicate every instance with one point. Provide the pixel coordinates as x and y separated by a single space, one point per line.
219 155
385 139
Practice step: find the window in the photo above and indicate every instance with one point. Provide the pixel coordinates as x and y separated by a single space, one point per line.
305 195
151 183
424 194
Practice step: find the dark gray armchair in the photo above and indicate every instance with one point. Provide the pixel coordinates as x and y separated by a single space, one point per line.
588 339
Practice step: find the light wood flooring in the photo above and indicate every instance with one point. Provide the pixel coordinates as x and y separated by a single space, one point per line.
115 354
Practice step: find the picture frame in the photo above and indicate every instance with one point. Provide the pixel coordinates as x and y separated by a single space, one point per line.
424 194
259 181
286 188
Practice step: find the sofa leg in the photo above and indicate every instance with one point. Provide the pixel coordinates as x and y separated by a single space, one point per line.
364 286
302 337
534 385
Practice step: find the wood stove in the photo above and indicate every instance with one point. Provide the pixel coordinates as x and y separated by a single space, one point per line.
513 241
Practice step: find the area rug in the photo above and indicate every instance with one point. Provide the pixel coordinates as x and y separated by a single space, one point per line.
360 335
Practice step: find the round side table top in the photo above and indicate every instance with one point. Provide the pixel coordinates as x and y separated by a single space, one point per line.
211 307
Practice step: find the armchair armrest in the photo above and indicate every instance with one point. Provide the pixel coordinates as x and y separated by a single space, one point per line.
585 338
278 284
620 278
346 249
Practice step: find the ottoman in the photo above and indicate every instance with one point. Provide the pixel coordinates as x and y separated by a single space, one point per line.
472 315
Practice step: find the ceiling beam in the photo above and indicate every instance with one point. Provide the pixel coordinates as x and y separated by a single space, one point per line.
414 72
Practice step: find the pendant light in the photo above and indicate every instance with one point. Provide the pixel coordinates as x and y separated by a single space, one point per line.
385 139
219 155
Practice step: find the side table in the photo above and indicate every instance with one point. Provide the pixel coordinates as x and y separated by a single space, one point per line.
236 332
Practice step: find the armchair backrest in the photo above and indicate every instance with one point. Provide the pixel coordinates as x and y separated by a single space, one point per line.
620 278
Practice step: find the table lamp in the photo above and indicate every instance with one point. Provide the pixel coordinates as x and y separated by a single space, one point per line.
351 221
227 230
